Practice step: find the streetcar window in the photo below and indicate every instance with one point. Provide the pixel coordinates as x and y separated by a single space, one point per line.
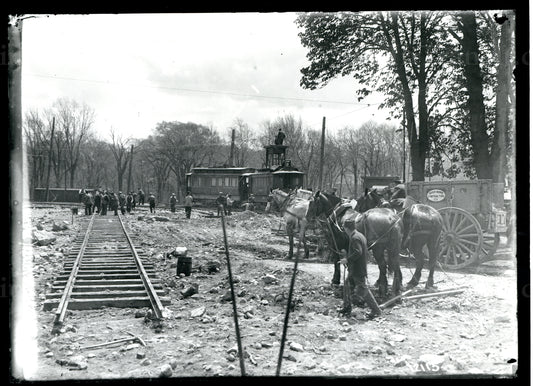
220 181
227 182
213 181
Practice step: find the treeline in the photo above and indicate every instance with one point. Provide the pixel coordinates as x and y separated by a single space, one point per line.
62 139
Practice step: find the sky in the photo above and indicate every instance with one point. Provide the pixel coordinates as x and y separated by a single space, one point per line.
136 70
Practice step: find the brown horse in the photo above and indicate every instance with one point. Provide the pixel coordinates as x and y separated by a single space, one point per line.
293 209
382 229
422 226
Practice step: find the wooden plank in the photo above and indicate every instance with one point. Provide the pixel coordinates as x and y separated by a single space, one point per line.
88 304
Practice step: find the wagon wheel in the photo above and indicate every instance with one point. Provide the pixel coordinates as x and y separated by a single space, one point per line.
461 239
491 241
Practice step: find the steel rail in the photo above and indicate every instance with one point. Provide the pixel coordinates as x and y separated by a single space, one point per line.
63 303
157 306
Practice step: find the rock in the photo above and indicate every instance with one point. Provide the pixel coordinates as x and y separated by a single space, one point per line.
289 357
377 350
258 345
296 347
269 279
400 363
146 362
70 327
342 337
42 238
227 296
397 338
502 319
91 355
173 363
165 371
39 226
59 227
78 362
432 361
132 346
161 218
241 293
214 290
264 302
231 357
49 354
141 355
191 290
266 344
140 218
180 251
198 312
211 266
140 314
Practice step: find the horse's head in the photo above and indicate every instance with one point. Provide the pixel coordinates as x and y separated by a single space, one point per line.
368 201
319 205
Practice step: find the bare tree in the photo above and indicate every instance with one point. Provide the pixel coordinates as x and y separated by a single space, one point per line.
119 148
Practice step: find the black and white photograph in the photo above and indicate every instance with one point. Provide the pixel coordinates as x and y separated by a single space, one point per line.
293 194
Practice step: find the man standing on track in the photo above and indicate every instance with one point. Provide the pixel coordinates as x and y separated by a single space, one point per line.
97 201
122 202
221 201
129 200
105 203
141 197
113 203
188 204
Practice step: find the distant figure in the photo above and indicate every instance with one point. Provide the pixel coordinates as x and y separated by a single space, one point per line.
251 200
113 203
279 138
151 201
221 203
97 202
134 202
105 203
229 204
141 197
88 201
129 202
188 204
173 201
122 202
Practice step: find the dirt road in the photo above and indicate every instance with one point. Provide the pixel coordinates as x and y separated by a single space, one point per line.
474 332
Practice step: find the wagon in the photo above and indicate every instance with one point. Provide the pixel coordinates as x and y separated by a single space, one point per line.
473 215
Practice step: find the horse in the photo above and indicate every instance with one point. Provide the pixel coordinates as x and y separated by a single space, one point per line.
381 227
422 226
293 210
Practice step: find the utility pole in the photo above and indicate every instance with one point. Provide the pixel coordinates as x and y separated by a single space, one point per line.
129 172
232 149
322 152
50 159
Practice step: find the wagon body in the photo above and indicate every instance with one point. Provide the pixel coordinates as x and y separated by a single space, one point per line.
473 215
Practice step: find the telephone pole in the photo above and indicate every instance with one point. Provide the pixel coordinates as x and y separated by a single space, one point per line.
129 172
232 149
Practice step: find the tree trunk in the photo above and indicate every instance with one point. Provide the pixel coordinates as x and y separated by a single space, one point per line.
474 86
498 153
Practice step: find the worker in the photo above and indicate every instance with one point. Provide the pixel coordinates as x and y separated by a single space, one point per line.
122 202
221 203
173 201
151 201
188 204
129 202
229 204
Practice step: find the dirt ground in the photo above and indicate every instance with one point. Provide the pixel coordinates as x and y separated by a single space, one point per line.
474 332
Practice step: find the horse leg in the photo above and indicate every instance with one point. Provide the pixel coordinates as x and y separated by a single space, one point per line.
393 253
433 249
416 247
382 282
336 270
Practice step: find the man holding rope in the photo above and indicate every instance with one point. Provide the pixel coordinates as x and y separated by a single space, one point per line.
356 259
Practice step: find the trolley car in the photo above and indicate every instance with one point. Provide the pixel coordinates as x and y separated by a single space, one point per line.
205 183
473 214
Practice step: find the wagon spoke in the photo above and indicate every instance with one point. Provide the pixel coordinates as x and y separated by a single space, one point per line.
462 241
454 255
454 220
469 235
463 255
462 251
461 231
464 218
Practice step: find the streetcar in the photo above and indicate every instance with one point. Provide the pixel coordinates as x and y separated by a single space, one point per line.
206 183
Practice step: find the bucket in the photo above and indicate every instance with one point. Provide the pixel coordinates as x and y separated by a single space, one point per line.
184 265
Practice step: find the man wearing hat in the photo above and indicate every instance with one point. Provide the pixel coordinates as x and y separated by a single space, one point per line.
398 191
173 201
221 203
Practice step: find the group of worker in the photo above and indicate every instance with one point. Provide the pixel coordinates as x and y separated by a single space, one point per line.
224 202
102 200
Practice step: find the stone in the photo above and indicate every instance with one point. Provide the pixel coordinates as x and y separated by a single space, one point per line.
241 293
269 279
191 290
165 371
42 238
141 355
49 354
161 218
173 363
132 346
140 314
180 251
264 302
140 218
77 361
502 319
198 312
214 290
39 226
266 344
400 363
397 338
432 360
289 357
227 296
342 337
296 347
59 227
258 345
146 362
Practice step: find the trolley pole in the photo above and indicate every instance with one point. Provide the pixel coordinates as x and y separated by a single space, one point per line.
232 149
322 152
50 159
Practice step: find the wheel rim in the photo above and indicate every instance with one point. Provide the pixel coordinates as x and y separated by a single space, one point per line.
461 238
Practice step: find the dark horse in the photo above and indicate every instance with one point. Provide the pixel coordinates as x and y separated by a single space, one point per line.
382 229
422 225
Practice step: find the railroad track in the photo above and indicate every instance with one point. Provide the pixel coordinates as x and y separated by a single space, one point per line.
104 269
